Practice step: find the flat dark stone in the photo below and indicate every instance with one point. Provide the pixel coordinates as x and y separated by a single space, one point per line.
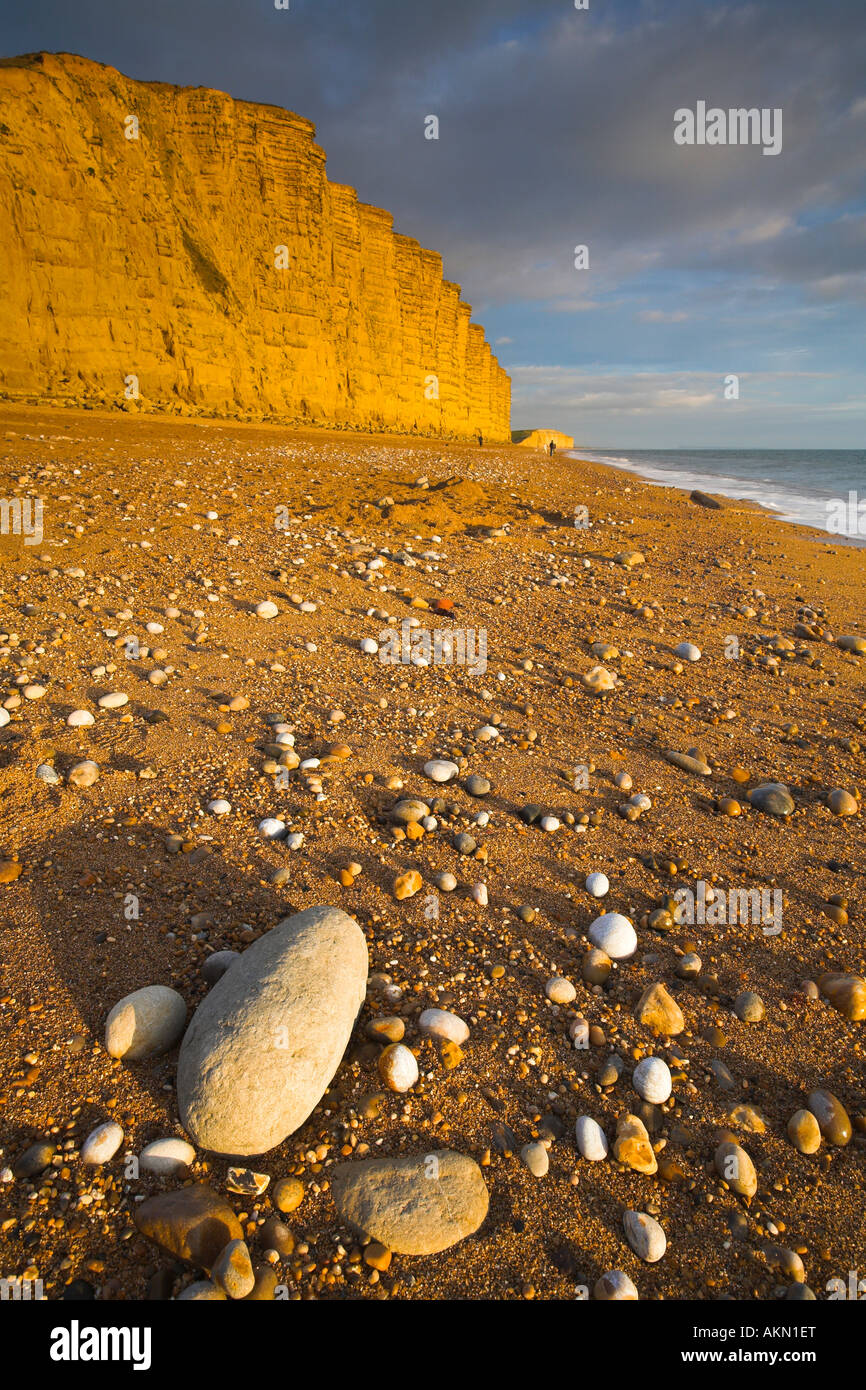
78 1291
773 799
34 1160
504 1138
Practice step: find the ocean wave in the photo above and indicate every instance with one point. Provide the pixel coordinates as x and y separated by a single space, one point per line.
789 503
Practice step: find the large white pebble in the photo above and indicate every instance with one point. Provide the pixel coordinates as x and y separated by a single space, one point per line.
4 717
101 1144
591 1138
167 1156
369 646
272 828
145 1023
266 609
220 807
559 990
536 1158
79 718
614 934
688 651
645 1236
113 700
652 1080
597 884
549 823
443 1024
615 1287
398 1067
268 1038
83 774
440 770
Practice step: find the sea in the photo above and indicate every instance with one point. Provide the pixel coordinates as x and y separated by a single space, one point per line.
824 488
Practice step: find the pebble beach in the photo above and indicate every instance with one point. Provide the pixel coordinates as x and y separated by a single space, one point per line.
426 872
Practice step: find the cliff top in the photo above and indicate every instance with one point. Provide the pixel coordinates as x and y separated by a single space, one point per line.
77 66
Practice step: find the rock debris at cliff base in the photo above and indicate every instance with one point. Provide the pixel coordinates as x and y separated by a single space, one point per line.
606 1098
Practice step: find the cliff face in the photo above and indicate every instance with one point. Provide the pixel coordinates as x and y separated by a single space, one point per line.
540 439
212 260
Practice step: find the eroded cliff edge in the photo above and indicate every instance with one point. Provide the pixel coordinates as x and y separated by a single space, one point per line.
210 265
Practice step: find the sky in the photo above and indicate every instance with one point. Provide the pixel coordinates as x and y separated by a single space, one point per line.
556 130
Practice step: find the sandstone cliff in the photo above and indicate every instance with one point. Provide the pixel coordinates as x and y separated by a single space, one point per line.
539 439
210 265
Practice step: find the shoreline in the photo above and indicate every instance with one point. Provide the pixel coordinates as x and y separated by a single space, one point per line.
715 486
732 503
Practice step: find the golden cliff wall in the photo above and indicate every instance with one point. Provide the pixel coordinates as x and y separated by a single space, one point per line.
540 439
157 258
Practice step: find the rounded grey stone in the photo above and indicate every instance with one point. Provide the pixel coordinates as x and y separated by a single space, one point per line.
216 965
749 1007
264 1044
418 1204
689 764
476 785
145 1023
203 1291
408 811
773 799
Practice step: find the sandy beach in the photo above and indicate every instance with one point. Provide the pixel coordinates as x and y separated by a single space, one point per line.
160 538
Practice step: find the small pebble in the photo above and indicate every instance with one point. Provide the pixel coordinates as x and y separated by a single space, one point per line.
101 1144
536 1158
645 1236
398 1068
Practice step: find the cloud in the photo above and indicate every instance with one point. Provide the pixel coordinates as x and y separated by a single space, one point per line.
767 230
659 316
651 409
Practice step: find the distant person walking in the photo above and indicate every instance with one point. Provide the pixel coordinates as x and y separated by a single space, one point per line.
481 441
551 448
